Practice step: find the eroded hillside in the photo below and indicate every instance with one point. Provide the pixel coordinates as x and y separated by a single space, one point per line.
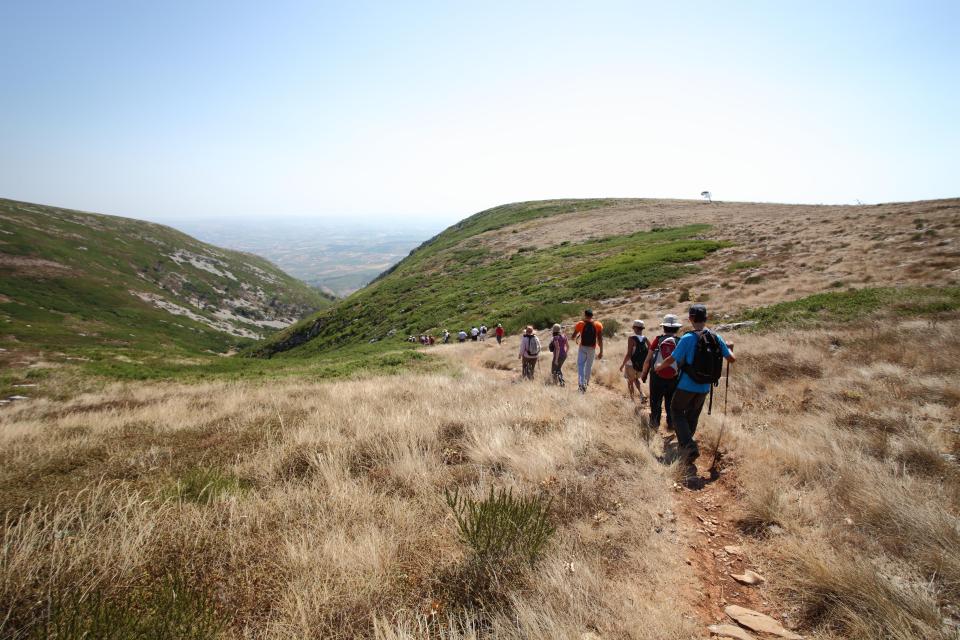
76 280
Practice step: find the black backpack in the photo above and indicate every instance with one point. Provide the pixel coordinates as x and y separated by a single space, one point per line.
707 365
589 336
639 352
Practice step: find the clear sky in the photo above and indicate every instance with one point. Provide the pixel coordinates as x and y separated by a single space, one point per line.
436 110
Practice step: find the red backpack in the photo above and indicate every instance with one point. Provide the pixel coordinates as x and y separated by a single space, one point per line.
663 347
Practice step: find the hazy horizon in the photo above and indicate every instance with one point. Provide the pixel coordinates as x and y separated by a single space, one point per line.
432 112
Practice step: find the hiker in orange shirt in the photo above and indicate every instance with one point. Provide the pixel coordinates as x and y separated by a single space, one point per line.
590 334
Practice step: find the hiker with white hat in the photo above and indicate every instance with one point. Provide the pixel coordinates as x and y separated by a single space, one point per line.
529 352
664 382
637 350
700 355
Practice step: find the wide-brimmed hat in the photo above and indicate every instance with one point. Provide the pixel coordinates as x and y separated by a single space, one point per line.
529 329
671 321
638 323
557 328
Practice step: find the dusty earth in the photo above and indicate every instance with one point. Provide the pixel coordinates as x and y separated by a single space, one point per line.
800 249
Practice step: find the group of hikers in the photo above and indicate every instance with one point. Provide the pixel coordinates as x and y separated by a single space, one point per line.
682 370
476 334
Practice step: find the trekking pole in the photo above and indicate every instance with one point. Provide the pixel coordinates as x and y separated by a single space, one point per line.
723 421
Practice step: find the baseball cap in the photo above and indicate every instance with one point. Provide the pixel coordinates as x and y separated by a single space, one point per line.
698 312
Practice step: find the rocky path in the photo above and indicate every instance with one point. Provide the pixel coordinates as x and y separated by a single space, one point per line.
729 596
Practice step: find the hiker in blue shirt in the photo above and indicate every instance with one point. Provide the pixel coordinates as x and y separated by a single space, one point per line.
690 394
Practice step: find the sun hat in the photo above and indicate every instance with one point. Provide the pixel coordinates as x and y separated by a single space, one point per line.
557 328
671 321
698 312
529 329
638 323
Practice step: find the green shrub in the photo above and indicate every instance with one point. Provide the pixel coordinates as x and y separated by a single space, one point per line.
743 264
846 306
205 485
170 609
502 529
541 316
610 327
684 295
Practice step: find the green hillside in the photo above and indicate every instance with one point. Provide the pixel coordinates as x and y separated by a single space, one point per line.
456 279
79 282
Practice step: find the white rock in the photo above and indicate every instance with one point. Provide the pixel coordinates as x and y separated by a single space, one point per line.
730 631
759 622
748 577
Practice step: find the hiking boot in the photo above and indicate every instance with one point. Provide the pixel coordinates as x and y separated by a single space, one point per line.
581 389
690 453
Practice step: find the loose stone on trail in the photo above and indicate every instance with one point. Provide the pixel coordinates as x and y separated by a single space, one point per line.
748 577
734 550
759 622
730 631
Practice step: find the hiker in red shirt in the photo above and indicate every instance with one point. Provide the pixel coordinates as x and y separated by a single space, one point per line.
499 333
664 382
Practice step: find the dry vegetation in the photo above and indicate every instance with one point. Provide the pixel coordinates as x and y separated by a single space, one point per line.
300 510
291 509
847 443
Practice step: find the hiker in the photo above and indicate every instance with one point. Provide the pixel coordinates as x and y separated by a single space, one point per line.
474 333
700 356
558 347
663 382
590 334
462 336
499 333
529 352
446 336
483 332
637 349
431 340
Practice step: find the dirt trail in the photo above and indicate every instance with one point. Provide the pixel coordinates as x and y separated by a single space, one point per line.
706 504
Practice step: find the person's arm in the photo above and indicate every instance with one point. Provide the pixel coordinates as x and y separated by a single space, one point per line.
629 354
522 344
600 343
646 364
727 350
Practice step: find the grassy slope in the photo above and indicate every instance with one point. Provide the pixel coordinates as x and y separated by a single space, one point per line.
66 279
454 280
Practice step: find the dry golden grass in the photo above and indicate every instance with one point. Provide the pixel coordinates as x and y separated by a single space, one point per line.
846 475
291 509
321 511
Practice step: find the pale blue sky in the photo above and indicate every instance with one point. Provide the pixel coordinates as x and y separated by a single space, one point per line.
436 110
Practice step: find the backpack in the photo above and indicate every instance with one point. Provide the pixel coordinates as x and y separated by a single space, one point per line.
588 338
707 364
533 346
639 352
559 345
663 347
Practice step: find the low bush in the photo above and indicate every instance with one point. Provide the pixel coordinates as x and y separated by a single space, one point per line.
172 609
542 316
610 328
204 485
502 529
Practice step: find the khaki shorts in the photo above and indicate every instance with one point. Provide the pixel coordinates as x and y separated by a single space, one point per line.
630 373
